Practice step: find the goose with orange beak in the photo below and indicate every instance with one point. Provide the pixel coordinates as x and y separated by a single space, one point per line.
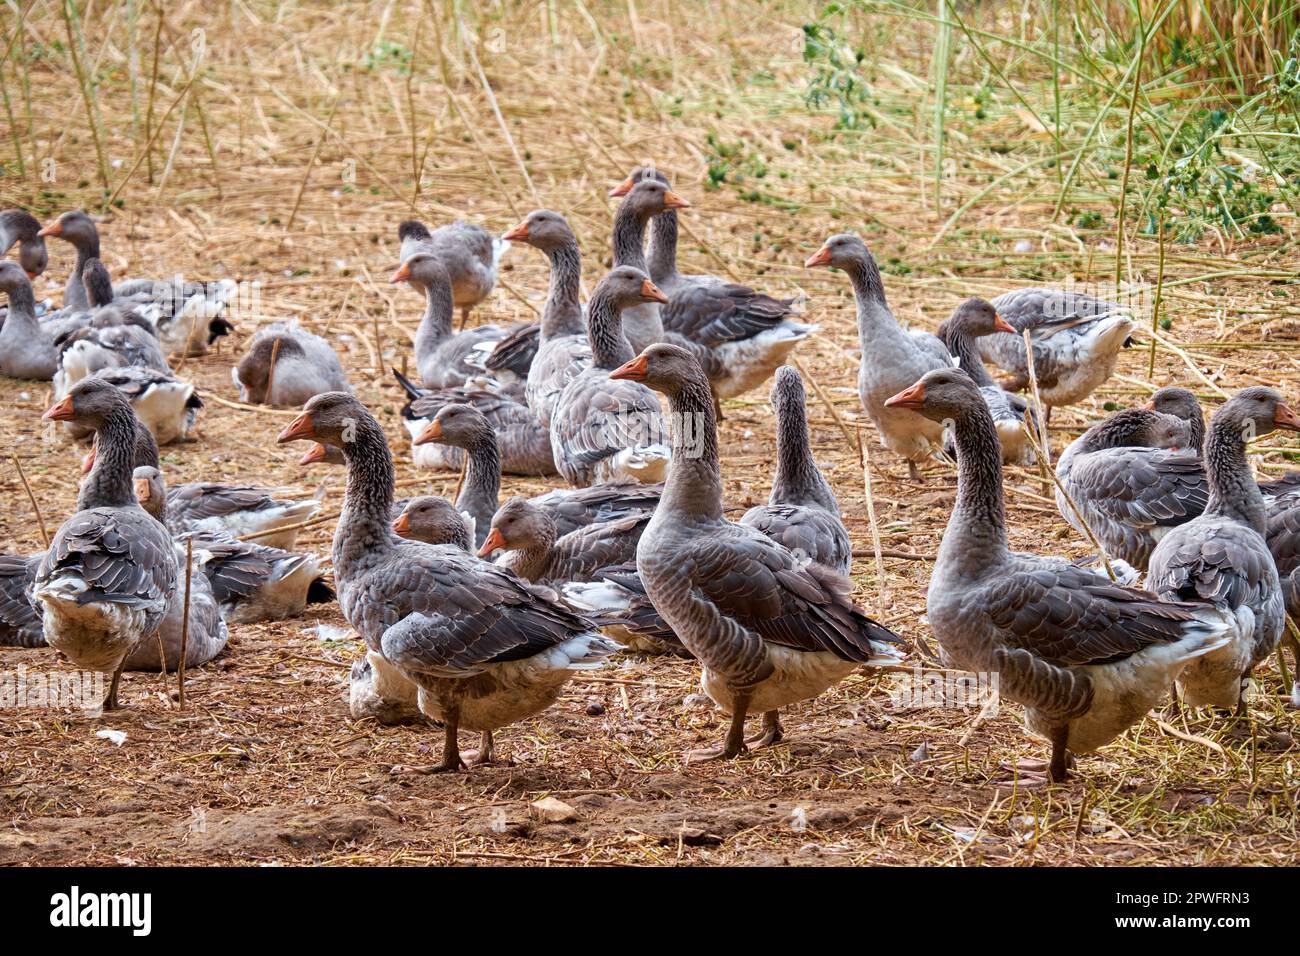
892 358
470 254
462 426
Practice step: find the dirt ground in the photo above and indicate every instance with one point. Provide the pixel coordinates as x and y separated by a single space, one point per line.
264 764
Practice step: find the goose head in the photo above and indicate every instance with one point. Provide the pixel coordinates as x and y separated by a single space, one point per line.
942 395
455 424
542 229
977 317
423 270
518 525
650 197
841 251
627 286
1257 411
24 227
331 418
664 368
637 174
74 227
433 520
149 490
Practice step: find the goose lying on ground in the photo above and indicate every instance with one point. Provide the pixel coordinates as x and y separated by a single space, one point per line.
107 580
533 551
164 404
26 350
484 647
892 358
434 520
768 628
286 365
1221 556
464 427
1086 657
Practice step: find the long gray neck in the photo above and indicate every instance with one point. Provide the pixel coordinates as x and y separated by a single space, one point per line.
478 496
663 246
22 312
9 233
629 237
364 533
562 314
1197 425
876 323
694 485
978 523
74 293
609 346
436 324
1233 491
798 480
962 345
109 483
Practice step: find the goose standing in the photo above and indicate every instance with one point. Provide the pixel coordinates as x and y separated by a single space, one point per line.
642 324
484 647
1076 339
974 319
1221 556
1086 657
26 350
892 359
106 582
1133 479
604 430
285 365
768 628
802 514
563 351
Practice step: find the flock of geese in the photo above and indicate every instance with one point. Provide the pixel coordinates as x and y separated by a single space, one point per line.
475 613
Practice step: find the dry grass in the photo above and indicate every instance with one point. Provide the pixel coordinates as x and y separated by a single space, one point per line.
279 122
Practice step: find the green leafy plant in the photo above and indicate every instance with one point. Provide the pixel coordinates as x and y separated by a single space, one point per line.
837 73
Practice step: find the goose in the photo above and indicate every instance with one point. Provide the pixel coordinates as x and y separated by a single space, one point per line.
167 406
572 508
484 648
973 319
769 629
563 351
801 514
1133 479
471 255
524 444
248 582
1085 656
20 620
1076 337
285 365
616 601
110 573
466 428
26 350
750 334
892 359
532 550
642 322
445 358
1220 556
188 316
434 520
21 228
603 430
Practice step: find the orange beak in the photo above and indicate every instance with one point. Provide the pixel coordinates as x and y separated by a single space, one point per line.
1284 417
61 411
652 293
674 201
495 541
431 432
1002 325
314 454
300 427
141 489
913 397
53 229
622 189
634 370
31 276
822 257
88 462
518 234
1150 406
403 274
402 524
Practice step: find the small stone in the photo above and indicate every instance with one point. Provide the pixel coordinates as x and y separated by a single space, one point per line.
595 709
550 810
1024 245
696 702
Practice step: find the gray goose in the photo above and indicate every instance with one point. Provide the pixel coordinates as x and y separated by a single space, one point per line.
106 581
526 533
164 404
974 319
524 443
483 647
467 429
604 430
768 628
801 514
26 350
1086 657
643 323
445 358
20 620
187 316
470 254
285 365
1221 556
892 358
749 334
433 520
1133 478
1076 339
249 582
21 228
563 351
206 635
